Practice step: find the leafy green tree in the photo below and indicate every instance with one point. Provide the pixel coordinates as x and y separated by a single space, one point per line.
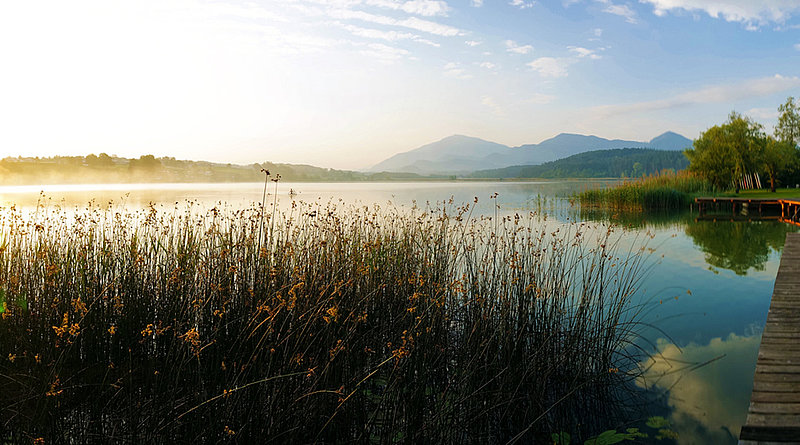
776 157
788 128
724 153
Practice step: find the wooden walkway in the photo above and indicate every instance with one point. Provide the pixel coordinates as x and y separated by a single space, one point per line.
774 414
788 210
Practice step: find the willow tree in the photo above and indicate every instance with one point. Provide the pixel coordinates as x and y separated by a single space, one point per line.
725 153
776 156
788 128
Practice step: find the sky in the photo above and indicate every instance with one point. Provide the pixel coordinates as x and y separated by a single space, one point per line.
348 83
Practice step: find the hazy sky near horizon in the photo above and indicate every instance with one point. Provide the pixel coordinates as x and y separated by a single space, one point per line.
347 83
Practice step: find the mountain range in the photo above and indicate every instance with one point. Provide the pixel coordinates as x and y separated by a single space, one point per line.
460 154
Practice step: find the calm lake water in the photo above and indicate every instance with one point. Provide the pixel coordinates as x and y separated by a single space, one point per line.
707 295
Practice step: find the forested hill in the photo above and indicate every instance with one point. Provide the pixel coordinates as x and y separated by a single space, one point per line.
628 162
113 169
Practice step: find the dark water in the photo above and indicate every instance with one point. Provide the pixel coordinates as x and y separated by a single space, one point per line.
706 297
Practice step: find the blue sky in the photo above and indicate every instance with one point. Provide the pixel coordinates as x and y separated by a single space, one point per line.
347 83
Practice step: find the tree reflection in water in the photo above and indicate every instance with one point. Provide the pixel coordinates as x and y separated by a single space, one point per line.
738 246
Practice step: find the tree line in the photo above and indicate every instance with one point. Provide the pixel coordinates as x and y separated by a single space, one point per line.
727 155
614 163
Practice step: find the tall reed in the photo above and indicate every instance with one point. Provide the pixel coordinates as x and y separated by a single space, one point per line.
665 190
361 324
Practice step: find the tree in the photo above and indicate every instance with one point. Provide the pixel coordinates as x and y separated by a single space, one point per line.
775 157
725 153
788 128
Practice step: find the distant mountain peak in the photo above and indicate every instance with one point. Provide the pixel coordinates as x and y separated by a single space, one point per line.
670 140
460 153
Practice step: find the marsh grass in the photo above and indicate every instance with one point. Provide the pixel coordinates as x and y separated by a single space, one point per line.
362 324
666 190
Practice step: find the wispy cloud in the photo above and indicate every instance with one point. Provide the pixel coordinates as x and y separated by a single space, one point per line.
456 71
490 102
384 52
622 11
797 46
751 13
427 8
512 47
550 66
488 65
763 113
477 3
522 4
582 52
473 43
714 94
391 36
415 23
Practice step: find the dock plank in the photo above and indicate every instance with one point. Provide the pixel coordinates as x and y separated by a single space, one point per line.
774 413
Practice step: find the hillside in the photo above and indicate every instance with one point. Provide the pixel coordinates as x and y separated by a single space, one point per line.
453 154
462 154
113 169
615 163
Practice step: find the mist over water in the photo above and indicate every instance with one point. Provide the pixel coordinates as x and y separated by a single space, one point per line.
706 295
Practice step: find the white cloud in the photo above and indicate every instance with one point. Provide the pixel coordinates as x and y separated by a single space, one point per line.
392 36
752 13
522 4
377 34
455 70
477 3
428 8
763 113
384 52
429 27
411 22
710 395
714 94
490 102
488 65
550 67
472 43
622 11
797 46
512 47
598 32
585 52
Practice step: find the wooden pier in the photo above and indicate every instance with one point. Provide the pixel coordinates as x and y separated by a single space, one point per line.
774 414
787 210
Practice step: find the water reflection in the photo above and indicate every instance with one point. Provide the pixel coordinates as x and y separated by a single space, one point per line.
739 246
728 266
709 400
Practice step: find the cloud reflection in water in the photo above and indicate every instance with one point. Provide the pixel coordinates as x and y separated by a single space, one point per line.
709 403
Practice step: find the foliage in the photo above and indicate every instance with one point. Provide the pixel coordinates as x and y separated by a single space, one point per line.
776 157
625 162
788 128
667 190
609 437
148 168
344 325
723 153
738 246
612 436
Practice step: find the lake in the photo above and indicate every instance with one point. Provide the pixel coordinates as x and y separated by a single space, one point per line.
706 296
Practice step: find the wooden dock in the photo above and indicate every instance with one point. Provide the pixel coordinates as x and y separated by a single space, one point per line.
787 210
774 414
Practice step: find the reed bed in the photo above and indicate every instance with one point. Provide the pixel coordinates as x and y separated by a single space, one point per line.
344 324
665 190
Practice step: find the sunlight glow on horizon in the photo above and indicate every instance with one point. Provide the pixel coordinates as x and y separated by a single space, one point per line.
345 84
